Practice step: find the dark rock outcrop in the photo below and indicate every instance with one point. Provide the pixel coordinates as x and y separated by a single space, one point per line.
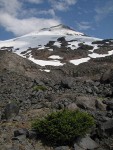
10 110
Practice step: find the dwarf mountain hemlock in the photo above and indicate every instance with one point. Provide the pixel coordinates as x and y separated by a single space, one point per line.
63 127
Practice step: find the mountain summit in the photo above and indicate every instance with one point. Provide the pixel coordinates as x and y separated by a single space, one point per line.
58 30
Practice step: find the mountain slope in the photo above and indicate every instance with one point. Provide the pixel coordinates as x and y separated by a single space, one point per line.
74 72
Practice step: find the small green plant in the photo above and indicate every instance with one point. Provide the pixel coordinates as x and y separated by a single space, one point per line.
63 127
100 98
39 87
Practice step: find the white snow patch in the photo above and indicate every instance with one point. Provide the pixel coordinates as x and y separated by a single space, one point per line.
41 47
58 44
95 55
82 39
46 62
46 70
10 43
79 61
95 46
50 49
55 57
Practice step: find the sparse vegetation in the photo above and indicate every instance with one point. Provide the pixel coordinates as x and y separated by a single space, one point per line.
39 87
63 127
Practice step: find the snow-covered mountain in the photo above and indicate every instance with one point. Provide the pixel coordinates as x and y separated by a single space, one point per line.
68 70
56 46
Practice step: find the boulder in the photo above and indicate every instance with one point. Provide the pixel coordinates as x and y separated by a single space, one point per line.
101 148
107 77
107 127
86 102
67 83
89 90
22 143
87 143
32 134
62 148
20 138
72 106
76 147
100 105
109 114
107 92
61 103
109 105
10 110
95 88
21 132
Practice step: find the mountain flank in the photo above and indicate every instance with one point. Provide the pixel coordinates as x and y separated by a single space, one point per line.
51 70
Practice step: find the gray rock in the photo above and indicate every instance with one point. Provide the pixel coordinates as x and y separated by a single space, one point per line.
101 148
109 105
11 110
62 148
29 146
87 143
107 127
107 92
107 76
61 103
40 95
21 142
89 90
99 115
0 115
72 106
100 105
21 132
86 102
109 114
67 83
32 134
96 89
76 147
19 138
97 83
15 145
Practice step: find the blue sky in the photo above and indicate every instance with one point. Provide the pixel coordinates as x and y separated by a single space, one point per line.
92 17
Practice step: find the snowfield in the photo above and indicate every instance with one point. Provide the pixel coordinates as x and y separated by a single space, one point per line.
46 62
55 57
79 61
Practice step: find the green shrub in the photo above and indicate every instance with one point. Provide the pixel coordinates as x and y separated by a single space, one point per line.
63 127
39 87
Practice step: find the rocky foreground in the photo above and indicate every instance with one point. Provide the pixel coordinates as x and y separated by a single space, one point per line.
27 93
